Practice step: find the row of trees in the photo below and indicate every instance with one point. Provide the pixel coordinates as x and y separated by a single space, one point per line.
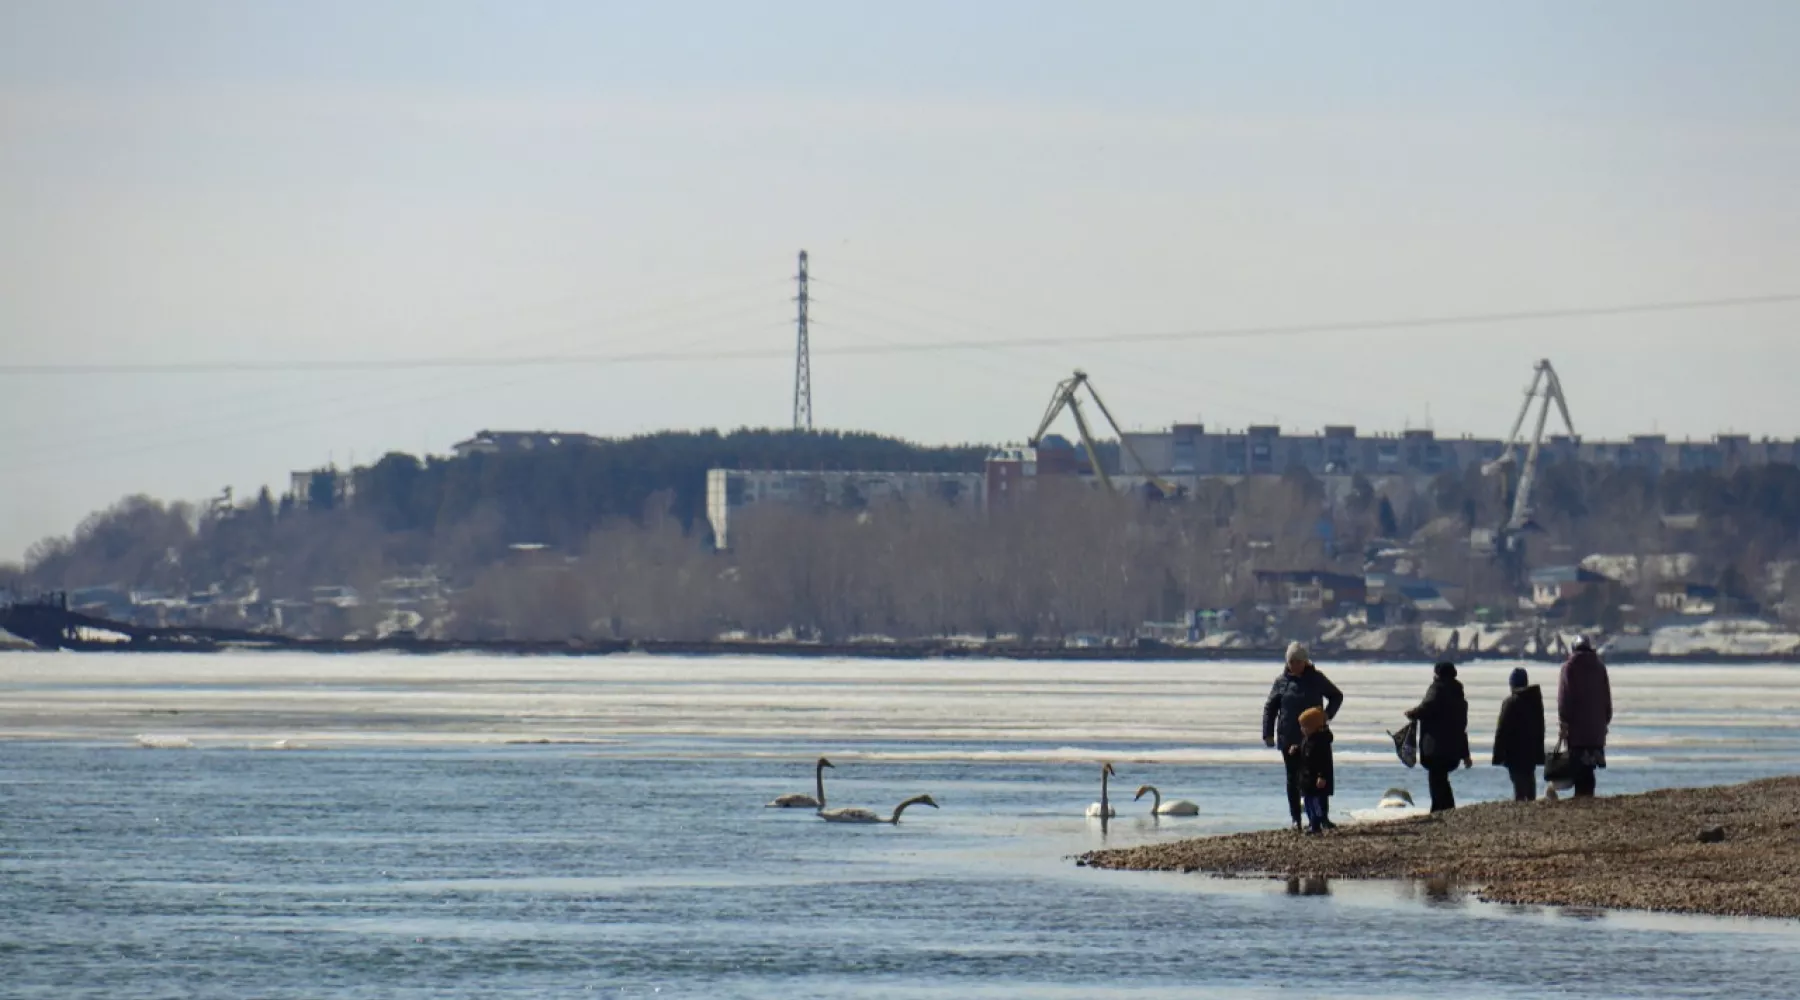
1077 560
1064 560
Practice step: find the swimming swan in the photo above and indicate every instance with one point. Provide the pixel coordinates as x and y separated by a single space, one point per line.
799 801
1176 807
1102 809
857 814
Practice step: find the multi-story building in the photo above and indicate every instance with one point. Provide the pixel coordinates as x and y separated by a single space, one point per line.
1192 450
1013 470
321 488
730 490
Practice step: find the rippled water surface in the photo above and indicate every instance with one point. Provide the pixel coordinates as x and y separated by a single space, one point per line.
416 836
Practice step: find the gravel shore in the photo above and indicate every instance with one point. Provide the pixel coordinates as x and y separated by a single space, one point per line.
1657 851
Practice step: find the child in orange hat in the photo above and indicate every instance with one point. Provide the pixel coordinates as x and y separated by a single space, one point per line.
1316 779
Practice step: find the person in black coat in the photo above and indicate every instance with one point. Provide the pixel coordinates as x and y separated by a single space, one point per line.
1443 719
1301 686
1519 735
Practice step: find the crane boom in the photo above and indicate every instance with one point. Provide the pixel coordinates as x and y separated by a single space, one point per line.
1059 398
1087 443
1125 443
1508 457
1545 389
1064 397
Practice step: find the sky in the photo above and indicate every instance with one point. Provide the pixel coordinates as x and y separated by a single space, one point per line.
607 199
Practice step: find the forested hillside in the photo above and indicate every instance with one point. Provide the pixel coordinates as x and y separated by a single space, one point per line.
558 496
625 550
457 513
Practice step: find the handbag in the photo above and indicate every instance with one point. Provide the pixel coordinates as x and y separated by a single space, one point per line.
1559 768
1406 743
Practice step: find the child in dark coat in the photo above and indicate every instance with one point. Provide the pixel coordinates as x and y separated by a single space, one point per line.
1316 778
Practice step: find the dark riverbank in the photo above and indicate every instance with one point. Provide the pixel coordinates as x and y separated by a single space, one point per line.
49 626
1640 852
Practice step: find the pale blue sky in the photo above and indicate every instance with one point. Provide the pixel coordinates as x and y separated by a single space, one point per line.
232 181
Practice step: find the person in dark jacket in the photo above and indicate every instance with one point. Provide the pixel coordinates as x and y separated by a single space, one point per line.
1316 779
1301 686
1584 708
1519 735
1443 719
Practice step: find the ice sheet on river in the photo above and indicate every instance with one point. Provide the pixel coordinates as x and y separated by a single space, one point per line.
1168 711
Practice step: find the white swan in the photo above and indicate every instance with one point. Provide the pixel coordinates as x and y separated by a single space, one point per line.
1175 807
796 800
1396 803
1102 809
857 814
1395 798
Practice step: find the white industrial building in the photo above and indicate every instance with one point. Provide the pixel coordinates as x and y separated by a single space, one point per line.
729 490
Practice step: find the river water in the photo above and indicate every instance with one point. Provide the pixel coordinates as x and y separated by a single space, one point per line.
463 826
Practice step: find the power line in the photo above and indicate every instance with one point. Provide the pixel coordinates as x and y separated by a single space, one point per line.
333 405
639 357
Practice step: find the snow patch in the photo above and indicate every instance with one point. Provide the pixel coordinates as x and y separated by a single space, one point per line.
1725 636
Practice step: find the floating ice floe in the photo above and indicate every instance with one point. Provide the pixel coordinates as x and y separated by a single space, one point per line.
153 741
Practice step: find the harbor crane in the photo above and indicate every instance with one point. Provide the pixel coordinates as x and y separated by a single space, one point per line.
1066 397
1545 389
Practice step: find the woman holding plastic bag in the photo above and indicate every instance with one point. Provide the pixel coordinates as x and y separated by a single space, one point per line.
1443 719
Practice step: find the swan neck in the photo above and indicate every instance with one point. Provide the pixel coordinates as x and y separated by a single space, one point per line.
895 818
1103 775
1155 799
819 782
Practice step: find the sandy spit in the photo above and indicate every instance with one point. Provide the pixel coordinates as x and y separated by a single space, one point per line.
1638 852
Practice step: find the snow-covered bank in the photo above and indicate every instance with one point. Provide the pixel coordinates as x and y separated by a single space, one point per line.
1725 637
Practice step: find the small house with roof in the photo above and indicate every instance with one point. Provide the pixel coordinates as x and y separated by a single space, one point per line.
1311 590
1555 585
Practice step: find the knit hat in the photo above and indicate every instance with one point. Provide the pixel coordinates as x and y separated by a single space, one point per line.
1313 719
1517 679
1584 645
1296 653
1444 671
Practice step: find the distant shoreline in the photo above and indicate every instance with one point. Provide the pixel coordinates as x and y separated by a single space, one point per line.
856 651
1631 852
810 650
51 627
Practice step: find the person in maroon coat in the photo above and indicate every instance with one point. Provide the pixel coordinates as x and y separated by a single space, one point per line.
1584 707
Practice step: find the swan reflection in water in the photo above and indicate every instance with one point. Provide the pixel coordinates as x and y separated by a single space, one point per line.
1312 885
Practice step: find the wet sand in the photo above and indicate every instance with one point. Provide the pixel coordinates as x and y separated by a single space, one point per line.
1640 852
